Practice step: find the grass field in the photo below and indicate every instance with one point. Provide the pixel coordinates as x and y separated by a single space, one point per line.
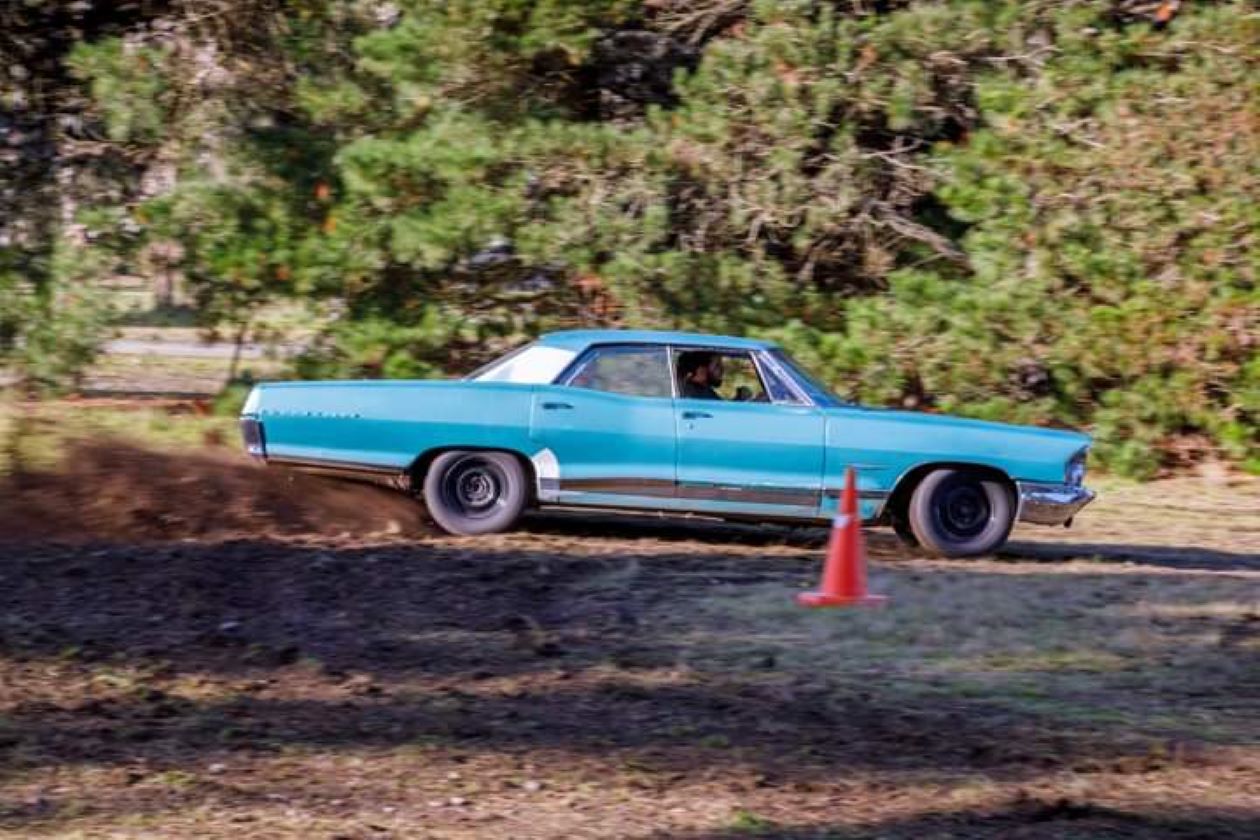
193 647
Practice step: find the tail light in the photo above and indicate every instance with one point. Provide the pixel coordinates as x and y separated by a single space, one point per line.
254 437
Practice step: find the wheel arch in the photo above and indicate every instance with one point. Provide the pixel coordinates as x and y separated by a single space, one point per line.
899 499
419 468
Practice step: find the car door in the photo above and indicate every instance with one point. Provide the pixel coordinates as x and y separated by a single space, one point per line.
605 431
761 455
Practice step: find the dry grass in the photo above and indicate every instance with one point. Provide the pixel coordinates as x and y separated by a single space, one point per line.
41 434
629 678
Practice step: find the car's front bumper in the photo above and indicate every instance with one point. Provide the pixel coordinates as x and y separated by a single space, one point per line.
1051 504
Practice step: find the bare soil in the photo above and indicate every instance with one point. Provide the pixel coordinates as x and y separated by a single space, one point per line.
113 489
194 647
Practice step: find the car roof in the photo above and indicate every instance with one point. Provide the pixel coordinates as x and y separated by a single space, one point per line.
581 339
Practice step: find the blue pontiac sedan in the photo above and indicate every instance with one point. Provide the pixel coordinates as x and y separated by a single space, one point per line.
669 422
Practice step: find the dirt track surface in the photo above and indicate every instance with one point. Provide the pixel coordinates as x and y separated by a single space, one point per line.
217 652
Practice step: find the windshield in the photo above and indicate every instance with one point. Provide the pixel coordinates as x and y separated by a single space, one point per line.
533 364
818 392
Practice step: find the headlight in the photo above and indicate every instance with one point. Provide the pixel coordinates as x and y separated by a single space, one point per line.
1075 473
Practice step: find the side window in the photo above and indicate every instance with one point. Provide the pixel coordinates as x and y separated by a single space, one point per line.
741 382
718 375
633 370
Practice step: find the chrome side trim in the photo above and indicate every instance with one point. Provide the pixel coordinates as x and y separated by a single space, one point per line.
551 486
865 495
1050 504
880 497
657 487
707 491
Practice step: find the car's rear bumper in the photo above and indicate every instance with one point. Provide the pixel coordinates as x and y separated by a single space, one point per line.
1050 504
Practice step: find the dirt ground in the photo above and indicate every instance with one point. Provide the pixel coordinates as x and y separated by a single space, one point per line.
193 647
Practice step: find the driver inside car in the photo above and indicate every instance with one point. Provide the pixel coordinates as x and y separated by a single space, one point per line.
700 372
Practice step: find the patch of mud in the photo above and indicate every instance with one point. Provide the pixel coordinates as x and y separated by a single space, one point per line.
118 491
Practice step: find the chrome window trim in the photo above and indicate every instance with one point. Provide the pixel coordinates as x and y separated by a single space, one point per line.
790 372
713 348
565 378
761 359
769 361
673 374
756 357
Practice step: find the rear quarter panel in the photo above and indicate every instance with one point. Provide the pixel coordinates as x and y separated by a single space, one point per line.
390 423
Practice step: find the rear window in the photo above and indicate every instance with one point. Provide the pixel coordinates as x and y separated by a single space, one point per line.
533 364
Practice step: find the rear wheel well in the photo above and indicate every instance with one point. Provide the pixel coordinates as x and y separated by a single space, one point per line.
420 467
899 501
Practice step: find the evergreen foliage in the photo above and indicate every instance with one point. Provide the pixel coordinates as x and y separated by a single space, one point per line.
1039 211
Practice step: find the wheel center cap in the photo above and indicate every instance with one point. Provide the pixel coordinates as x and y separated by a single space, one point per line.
477 488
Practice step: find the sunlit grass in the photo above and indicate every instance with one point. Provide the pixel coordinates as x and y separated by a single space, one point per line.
38 434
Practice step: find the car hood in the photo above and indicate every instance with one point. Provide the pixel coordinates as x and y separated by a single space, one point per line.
894 441
926 421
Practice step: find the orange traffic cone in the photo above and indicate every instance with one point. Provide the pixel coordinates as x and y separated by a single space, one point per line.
844 572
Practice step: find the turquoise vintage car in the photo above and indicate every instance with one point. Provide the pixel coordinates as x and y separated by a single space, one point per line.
673 422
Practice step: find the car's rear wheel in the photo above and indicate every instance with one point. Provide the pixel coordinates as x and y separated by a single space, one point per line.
473 493
960 512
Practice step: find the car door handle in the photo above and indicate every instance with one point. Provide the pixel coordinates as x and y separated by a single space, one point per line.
695 415
555 406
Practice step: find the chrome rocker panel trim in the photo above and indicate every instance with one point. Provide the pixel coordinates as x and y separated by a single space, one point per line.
1050 504
549 490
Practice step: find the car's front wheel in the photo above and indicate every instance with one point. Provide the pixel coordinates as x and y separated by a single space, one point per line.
901 527
472 493
960 512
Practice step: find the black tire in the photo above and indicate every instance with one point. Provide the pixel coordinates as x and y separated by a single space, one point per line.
901 527
961 513
470 493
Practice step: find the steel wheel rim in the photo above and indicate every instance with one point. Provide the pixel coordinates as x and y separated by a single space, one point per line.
474 486
962 509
